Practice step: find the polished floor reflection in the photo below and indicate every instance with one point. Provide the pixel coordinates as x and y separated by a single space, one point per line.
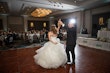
88 60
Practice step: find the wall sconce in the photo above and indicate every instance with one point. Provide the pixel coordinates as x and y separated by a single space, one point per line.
31 24
101 21
44 24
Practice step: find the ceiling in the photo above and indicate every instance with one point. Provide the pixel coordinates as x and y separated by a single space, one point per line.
25 7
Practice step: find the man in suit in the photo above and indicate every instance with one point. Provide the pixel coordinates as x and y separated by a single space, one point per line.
71 41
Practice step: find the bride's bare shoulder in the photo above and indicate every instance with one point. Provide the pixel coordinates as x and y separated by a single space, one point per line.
50 32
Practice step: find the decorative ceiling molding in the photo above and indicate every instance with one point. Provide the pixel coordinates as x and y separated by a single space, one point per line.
4 8
25 7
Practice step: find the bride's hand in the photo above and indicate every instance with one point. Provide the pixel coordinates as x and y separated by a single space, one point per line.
60 22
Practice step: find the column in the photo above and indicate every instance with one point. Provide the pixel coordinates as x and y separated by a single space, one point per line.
25 23
5 26
51 21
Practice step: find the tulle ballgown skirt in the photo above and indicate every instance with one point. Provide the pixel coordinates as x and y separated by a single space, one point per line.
51 55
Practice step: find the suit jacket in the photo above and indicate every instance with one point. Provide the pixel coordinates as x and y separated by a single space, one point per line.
71 36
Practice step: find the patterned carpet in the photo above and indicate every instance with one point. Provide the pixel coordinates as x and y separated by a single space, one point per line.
19 44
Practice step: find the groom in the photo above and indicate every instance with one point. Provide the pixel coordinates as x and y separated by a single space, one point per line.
70 42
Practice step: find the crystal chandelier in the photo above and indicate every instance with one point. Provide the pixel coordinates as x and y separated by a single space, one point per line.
41 12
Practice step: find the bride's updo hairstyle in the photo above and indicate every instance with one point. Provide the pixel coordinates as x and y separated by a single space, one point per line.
53 29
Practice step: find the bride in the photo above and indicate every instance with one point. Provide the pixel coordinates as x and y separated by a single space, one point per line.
52 54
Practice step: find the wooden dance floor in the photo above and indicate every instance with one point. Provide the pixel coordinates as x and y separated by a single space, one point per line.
88 60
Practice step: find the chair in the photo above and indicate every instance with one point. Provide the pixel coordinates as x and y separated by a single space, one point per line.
35 39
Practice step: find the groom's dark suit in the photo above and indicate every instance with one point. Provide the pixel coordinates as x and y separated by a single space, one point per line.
71 42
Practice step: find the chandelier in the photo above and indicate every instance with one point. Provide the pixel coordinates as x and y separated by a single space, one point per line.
41 12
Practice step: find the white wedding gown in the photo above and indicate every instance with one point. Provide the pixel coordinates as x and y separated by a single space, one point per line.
51 55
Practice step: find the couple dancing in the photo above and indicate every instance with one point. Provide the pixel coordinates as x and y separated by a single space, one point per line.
53 53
